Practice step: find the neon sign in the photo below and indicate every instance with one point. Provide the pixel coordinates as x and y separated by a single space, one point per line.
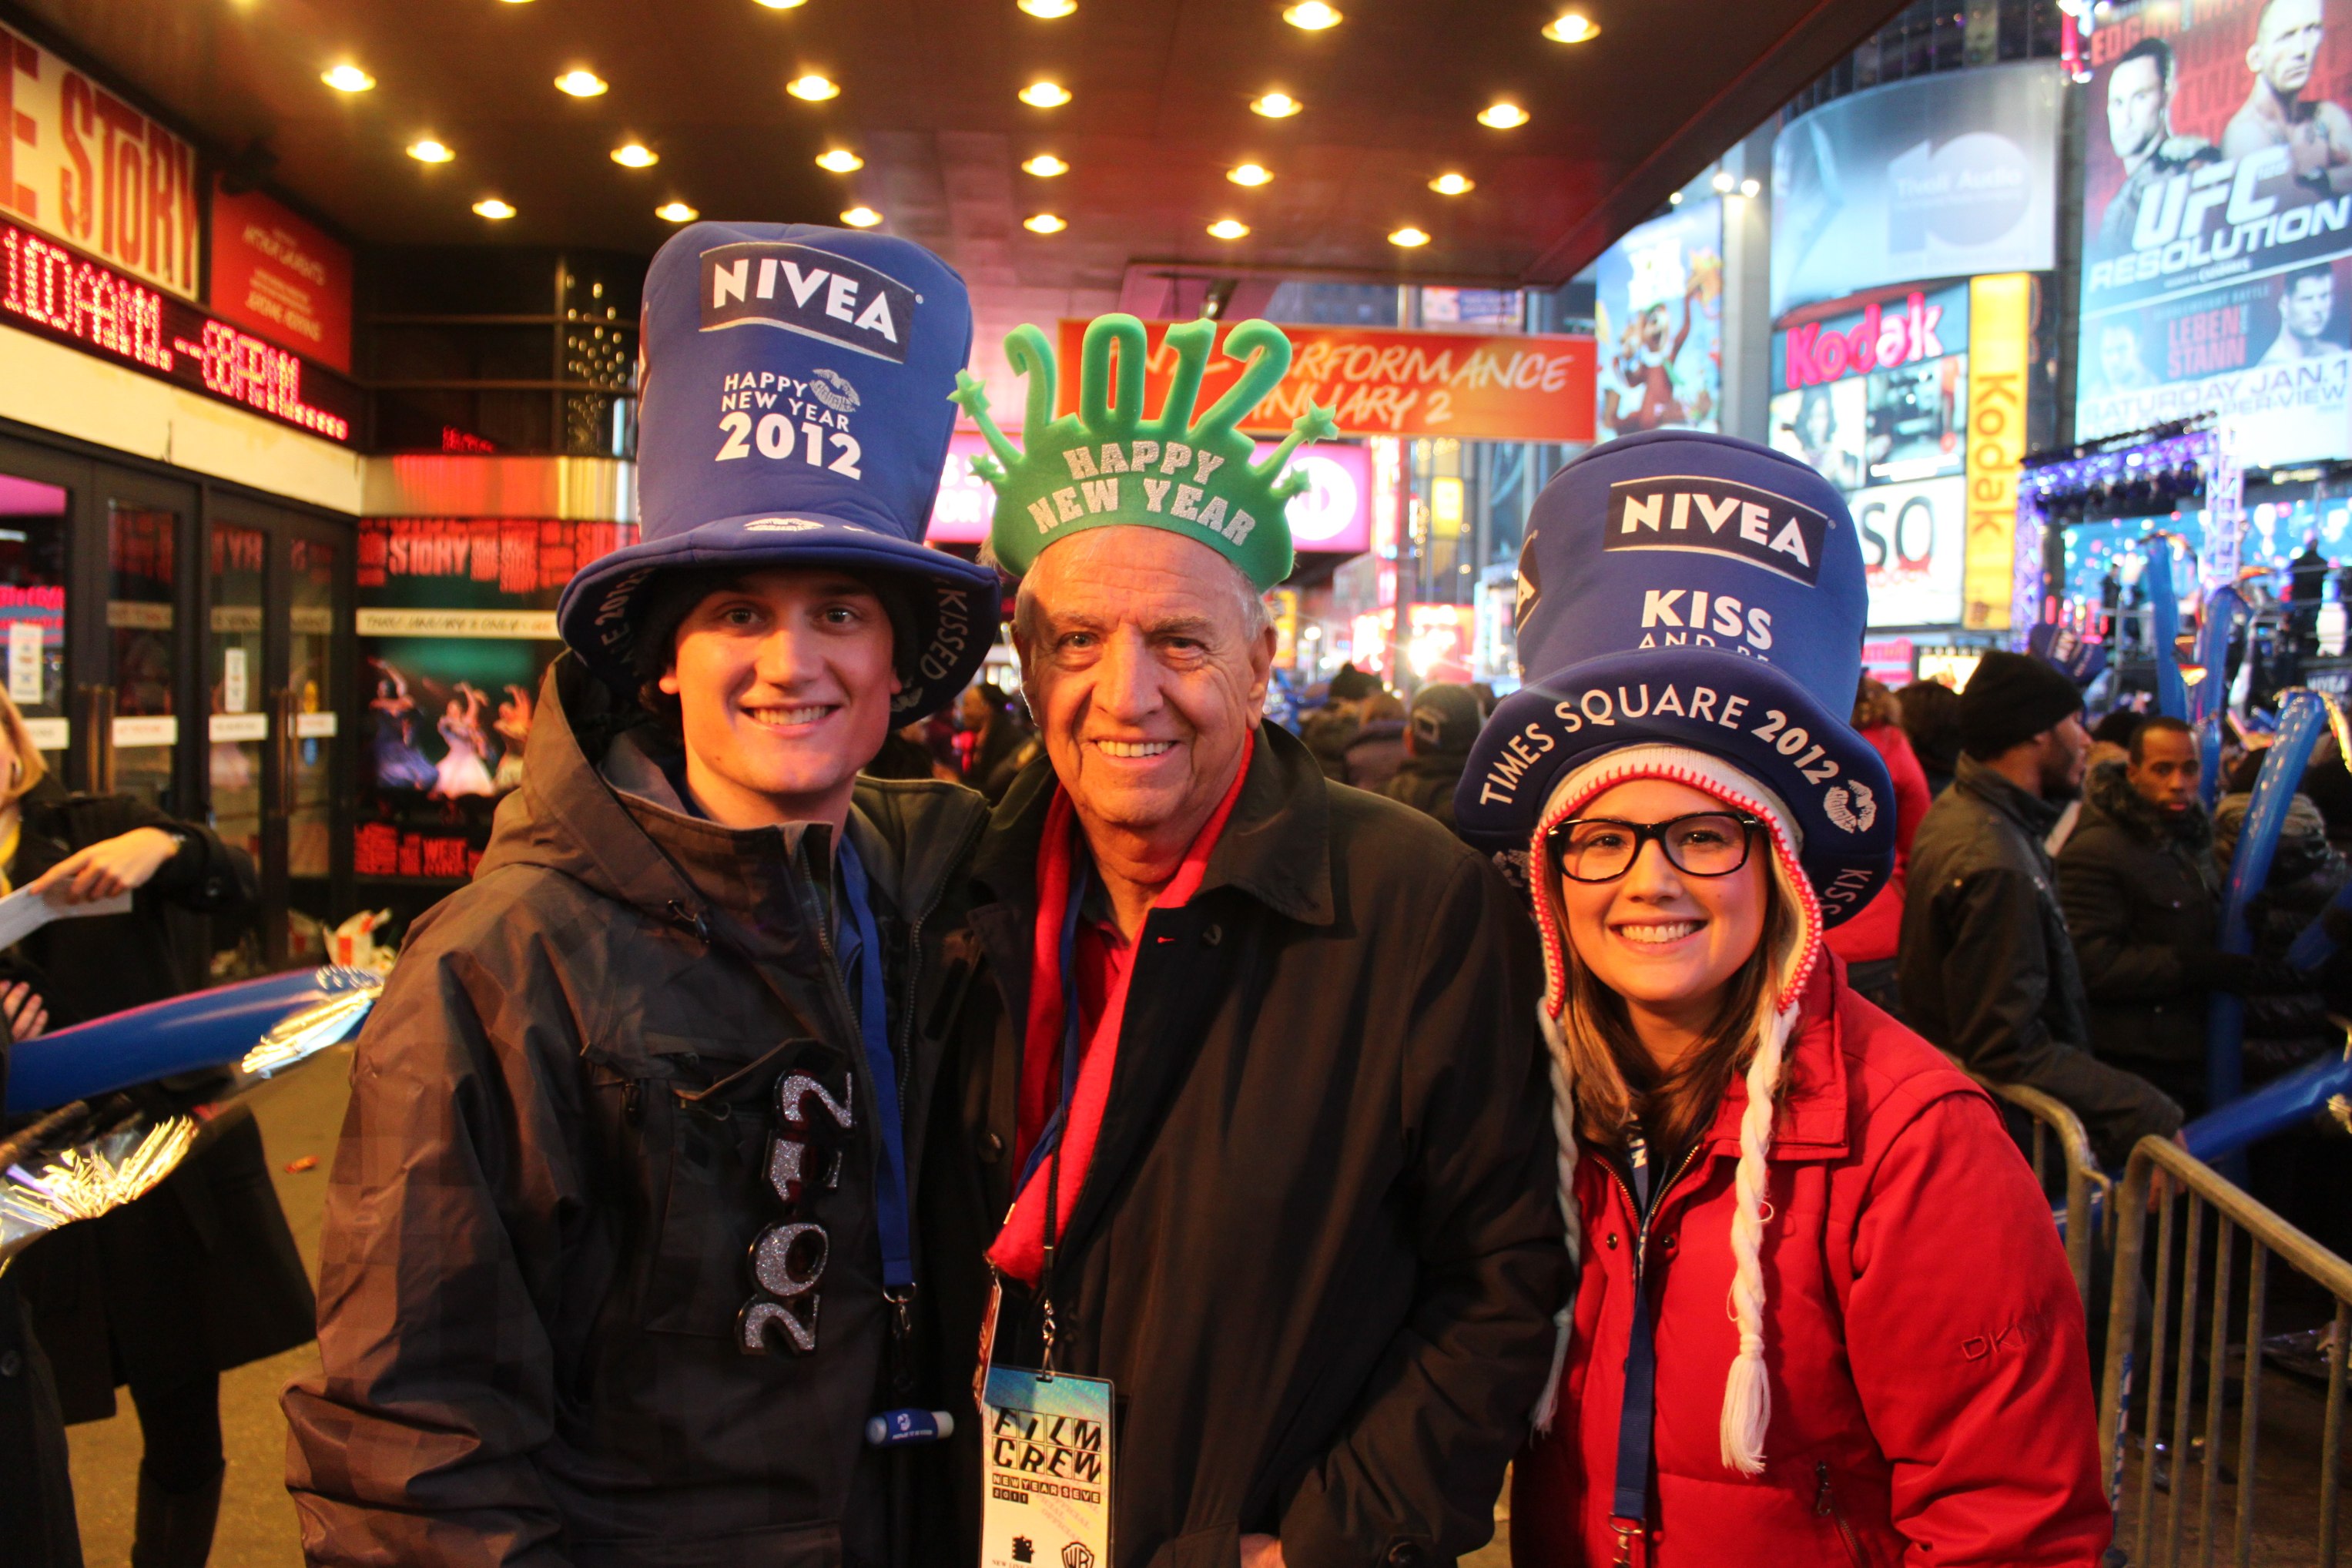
56 291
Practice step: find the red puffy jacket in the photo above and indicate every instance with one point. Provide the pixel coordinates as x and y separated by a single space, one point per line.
1931 1391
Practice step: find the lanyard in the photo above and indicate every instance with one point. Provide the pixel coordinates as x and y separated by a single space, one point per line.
1631 1505
1049 1138
863 968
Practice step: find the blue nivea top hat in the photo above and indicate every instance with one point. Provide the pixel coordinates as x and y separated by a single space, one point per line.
1688 590
794 412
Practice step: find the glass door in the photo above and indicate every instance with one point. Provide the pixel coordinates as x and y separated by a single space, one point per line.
237 724
310 692
137 702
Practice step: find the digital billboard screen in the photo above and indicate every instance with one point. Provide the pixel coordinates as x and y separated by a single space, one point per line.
2217 188
1658 324
1942 176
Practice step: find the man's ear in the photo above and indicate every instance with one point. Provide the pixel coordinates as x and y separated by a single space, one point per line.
1261 658
668 682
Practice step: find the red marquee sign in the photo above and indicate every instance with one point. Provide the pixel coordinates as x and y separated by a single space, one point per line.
52 290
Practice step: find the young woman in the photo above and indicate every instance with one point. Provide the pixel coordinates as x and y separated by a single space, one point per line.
1823 1315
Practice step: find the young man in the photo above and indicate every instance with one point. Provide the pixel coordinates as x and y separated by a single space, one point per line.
1988 968
618 1256
2142 897
1252 1114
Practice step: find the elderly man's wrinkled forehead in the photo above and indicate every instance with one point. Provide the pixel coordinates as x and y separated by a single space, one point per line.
1138 573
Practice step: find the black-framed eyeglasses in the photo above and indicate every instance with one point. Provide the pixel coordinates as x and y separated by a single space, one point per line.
1603 848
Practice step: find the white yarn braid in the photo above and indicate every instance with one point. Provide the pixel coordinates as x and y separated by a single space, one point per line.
1747 1390
1563 1126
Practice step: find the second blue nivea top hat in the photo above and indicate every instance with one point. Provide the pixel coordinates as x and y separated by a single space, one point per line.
1684 589
794 412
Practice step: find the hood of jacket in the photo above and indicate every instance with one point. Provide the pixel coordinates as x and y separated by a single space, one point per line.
2109 795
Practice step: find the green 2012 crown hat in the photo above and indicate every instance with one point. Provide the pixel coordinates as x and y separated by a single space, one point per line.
1106 464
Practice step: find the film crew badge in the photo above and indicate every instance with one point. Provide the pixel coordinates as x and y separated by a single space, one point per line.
1045 1440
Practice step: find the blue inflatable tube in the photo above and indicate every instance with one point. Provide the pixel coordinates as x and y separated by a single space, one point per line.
2171 689
2225 613
209 1029
2274 1108
2250 868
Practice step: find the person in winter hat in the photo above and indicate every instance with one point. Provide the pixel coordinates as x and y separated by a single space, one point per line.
1444 721
1901 1373
1987 967
1244 1114
619 1258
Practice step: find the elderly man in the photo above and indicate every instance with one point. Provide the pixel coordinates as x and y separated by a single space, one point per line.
1254 1066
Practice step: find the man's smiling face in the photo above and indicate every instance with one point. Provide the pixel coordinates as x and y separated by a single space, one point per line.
1146 661
783 679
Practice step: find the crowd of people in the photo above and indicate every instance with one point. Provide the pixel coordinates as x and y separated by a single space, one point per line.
1107 1129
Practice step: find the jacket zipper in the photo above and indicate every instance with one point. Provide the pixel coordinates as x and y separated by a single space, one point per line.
1640 1263
1825 1507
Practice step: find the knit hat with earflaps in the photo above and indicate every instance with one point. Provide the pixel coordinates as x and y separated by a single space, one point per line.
1691 608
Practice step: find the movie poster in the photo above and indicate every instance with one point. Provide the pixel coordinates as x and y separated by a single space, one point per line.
2217 218
457 626
1658 324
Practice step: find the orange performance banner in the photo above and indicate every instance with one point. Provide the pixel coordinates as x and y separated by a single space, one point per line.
1471 385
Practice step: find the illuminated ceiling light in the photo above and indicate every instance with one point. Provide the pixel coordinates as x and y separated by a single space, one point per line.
861 217
1250 174
1044 223
1750 188
582 84
1228 228
430 152
1408 237
1502 116
347 77
1044 165
1311 15
840 161
1276 106
491 207
1045 95
1723 182
813 88
1570 27
635 155
1051 10
1451 184
679 212
1674 199
783 4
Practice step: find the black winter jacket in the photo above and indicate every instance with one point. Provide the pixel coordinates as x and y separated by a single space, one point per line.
555 1167
1987 967
201 1274
2140 896
1319 1248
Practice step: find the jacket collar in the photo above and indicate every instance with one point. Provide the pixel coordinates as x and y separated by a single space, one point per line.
2108 793
1811 1121
1277 847
2034 815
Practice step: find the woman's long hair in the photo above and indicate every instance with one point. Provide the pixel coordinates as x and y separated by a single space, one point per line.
31 766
